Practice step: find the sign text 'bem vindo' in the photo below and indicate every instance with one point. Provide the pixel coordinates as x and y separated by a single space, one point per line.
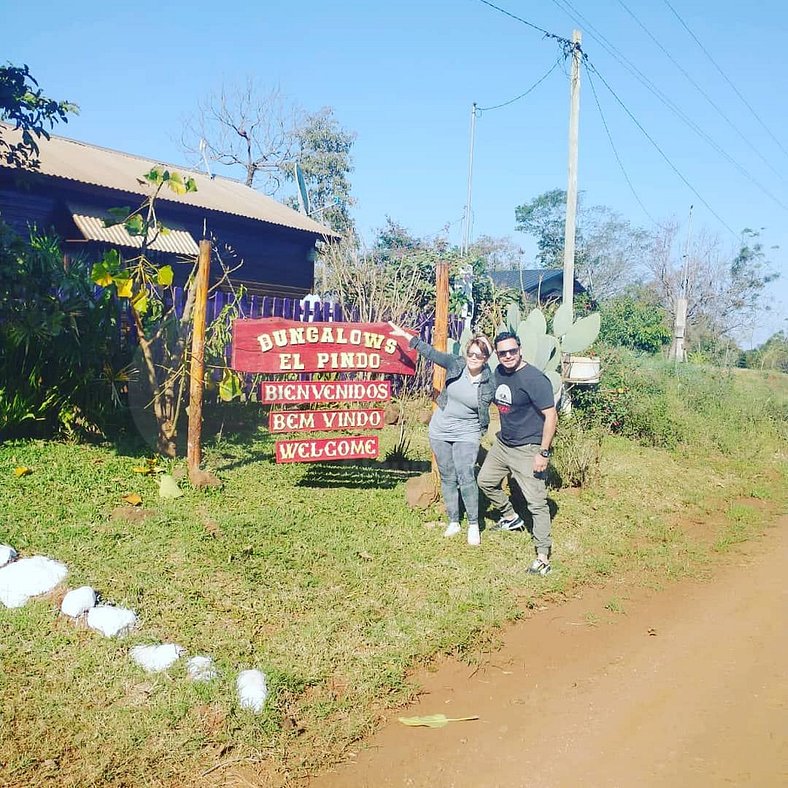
272 344
325 420
325 449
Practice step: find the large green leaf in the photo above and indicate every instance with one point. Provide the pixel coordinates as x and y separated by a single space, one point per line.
168 487
529 341
175 182
536 321
135 225
512 317
555 382
582 334
165 276
229 386
546 348
562 320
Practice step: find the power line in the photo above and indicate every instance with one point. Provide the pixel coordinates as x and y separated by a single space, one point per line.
544 32
725 77
660 151
700 90
536 84
644 80
615 152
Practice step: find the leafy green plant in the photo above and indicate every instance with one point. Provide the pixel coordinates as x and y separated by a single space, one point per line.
60 346
163 336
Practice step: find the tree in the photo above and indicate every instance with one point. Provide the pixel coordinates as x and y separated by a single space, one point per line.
261 135
23 103
635 320
323 154
724 287
162 334
609 251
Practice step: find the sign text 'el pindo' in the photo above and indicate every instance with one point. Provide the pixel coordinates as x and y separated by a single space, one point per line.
278 346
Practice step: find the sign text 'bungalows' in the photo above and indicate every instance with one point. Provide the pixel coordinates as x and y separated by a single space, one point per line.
275 345
325 420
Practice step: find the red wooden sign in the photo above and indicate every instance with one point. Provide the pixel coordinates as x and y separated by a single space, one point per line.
325 420
327 449
292 392
272 344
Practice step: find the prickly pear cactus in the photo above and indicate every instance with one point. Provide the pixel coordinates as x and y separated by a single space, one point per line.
545 351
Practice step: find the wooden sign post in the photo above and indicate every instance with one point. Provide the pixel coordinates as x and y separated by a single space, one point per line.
440 339
197 366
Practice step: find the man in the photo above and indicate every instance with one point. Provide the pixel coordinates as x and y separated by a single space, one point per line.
525 400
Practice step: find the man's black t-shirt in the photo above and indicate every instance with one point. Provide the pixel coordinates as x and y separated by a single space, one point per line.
521 397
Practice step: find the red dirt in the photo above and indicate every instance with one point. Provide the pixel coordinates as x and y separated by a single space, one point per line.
686 687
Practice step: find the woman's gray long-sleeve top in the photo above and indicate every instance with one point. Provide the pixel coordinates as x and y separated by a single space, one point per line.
455 366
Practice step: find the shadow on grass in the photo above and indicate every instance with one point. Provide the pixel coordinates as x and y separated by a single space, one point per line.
359 474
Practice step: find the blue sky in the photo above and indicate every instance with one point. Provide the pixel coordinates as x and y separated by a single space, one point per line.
403 76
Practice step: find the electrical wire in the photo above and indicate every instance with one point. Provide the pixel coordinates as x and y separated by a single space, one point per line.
725 77
544 32
615 151
700 90
662 153
536 84
644 80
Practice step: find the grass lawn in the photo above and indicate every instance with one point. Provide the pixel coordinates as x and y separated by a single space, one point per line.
321 577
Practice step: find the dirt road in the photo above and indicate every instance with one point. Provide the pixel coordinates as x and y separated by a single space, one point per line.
686 686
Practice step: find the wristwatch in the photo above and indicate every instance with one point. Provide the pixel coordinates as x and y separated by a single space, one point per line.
545 452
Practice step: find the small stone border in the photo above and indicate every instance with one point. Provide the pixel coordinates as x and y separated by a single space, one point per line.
21 579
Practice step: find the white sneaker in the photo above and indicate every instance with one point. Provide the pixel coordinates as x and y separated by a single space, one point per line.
452 530
474 537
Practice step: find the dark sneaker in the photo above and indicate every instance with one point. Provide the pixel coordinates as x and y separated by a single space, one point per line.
512 524
540 567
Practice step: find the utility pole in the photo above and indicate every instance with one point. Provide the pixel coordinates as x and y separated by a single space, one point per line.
677 350
466 229
571 189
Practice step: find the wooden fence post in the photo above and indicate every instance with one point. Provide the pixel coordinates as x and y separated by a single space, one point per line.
197 366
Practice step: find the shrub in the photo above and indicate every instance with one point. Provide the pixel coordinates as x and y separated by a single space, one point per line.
58 345
577 451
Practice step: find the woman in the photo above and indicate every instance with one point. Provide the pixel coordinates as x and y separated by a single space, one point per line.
458 424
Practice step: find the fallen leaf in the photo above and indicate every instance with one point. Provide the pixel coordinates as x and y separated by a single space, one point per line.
434 720
168 487
133 498
22 471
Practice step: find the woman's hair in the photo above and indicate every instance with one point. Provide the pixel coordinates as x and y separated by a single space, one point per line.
482 343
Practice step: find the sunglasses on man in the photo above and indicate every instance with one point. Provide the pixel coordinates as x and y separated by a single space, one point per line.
510 352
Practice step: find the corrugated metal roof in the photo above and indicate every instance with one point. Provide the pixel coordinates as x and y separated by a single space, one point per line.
174 241
78 161
531 279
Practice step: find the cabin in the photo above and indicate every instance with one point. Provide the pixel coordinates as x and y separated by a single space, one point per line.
74 186
539 284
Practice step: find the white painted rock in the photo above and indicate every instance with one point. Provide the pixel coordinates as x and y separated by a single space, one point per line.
156 658
252 690
201 669
111 621
29 577
7 554
78 601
